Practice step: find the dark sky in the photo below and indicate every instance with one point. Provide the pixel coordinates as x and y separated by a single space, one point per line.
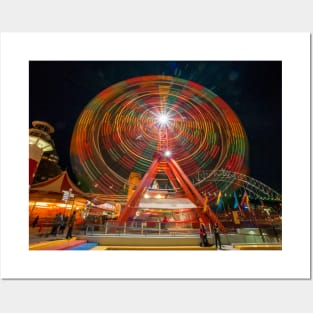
59 91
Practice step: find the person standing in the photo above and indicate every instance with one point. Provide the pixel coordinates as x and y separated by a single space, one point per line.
71 225
164 223
34 224
63 224
56 224
217 236
203 235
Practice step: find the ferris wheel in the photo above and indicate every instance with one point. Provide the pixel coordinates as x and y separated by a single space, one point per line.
120 130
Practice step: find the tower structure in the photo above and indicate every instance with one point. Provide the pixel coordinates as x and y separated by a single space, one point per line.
40 144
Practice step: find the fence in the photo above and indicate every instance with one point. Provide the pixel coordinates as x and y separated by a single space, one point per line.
171 229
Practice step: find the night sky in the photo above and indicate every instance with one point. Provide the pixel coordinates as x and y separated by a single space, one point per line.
59 91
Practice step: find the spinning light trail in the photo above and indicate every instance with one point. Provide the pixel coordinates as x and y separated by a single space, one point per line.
121 129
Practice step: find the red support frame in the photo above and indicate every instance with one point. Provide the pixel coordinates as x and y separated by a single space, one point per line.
172 170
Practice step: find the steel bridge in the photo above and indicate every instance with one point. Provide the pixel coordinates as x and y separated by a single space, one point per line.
255 188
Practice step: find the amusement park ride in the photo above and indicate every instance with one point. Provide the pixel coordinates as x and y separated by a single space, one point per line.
160 126
164 163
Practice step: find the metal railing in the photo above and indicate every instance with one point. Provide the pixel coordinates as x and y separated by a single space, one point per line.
174 229
265 234
139 228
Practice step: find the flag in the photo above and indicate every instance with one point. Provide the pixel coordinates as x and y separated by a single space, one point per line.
236 218
219 202
218 198
236 202
220 205
205 204
245 201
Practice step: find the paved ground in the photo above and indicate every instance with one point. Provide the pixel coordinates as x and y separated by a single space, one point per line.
66 244
224 247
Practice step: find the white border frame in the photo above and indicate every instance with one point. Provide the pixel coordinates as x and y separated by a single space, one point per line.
293 262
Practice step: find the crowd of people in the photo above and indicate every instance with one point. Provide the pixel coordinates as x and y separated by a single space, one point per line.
59 224
204 238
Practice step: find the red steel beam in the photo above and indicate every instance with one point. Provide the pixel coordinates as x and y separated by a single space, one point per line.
132 203
212 217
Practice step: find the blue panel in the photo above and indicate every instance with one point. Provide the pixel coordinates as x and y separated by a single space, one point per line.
85 246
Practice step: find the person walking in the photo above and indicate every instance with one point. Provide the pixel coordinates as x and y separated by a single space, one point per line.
203 235
71 225
56 224
217 236
35 221
63 224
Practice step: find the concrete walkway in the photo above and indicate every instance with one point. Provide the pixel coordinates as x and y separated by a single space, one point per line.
195 248
139 243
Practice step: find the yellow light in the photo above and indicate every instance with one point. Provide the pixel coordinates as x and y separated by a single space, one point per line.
42 204
40 143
